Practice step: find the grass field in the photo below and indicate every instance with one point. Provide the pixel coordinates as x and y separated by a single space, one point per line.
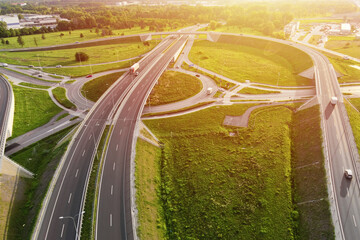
249 90
66 57
147 176
93 89
60 96
351 74
233 29
83 71
216 186
355 102
220 82
173 87
344 44
26 84
309 177
55 39
200 104
42 159
252 59
314 39
306 21
354 118
33 108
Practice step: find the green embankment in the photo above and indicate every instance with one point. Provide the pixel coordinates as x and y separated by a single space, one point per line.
173 87
253 59
66 57
33 108
60 96
93 89
309 178
350 74
258 180
249 90
147 184
42 159
214 185
83 71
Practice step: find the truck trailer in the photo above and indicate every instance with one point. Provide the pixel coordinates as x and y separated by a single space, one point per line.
134 67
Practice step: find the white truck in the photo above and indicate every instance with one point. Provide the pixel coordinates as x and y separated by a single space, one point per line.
334 100
209 91
134 67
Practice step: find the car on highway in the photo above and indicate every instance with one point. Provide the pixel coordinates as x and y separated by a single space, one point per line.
89 76
348 174
346 58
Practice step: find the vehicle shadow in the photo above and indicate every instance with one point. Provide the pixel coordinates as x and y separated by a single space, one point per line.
329 109
345 184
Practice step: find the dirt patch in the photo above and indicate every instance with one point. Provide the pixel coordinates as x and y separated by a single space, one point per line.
11 192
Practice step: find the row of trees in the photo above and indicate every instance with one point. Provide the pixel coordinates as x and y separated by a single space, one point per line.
267 18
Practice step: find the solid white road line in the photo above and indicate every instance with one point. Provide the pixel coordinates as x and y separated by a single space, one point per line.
69 197
62 230
77 171
354 221
83 152
110 220
112 189
114 166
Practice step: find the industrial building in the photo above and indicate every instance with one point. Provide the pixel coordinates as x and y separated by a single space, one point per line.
345 28
12 21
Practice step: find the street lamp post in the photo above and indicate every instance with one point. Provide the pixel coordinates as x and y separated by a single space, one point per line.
73 219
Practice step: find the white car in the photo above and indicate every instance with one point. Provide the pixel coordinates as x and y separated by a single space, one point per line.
334 100
348 174
58 66
4 64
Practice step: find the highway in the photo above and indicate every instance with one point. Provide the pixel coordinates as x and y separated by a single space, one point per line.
67 191
341 150
114 216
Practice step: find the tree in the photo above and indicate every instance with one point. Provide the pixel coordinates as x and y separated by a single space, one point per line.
7 42
20 41
61 35
81 35
35 41
81 56
43 37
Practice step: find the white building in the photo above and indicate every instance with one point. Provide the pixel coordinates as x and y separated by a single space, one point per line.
345 28
12 21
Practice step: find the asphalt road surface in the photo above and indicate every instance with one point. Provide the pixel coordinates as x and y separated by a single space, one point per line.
67 198
4 96
114 220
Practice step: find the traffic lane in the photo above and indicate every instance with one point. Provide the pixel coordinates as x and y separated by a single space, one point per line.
71 192
112 222
105 105
109 213
25 78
